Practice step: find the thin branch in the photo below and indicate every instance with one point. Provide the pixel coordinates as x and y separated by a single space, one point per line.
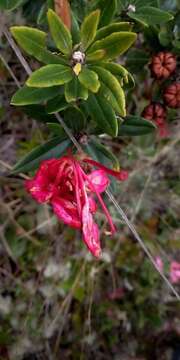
10 71
141 243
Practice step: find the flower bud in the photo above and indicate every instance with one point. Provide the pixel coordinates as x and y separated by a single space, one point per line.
172 95
156 113
163 65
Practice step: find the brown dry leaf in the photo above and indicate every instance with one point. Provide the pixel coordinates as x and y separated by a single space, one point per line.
62 8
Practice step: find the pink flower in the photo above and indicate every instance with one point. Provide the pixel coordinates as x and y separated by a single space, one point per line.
175 272
159 263
70 185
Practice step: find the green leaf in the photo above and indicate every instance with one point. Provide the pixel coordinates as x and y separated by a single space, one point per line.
10 4
74 90
38 112
57 104
136 60
50 75
106 152
149 15
112 28
103 114
33 42
135 126
113 85
88 28
55 128
53 148
114 45
108 9
89 79
165 36
95 56
75 30
27 95
108 95
75 119
60 33
116 70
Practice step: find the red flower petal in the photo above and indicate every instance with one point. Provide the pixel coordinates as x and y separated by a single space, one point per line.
92 205
99 179
42 187
117 174
67 212
90 231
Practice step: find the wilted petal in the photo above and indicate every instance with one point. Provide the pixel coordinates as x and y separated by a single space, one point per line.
99 179
67 212
90 231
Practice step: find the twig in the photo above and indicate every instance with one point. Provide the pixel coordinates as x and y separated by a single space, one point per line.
10 71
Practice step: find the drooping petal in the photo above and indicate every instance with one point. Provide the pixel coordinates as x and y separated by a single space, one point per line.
99 179
86 178
67 212
90 231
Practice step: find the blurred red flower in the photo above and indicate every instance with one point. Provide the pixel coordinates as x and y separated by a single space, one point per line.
175 272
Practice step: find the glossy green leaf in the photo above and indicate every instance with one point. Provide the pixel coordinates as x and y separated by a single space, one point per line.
10 4
57 104
33 42
114 45
108 9
103 114
107 153
116 70
89 79
113 85
59 32
75 30
55 128
136 60
75 119
50 75
38 112
95 56
108 95
149 15
88 28
27 95
53 148
74 90
112 28
135 126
